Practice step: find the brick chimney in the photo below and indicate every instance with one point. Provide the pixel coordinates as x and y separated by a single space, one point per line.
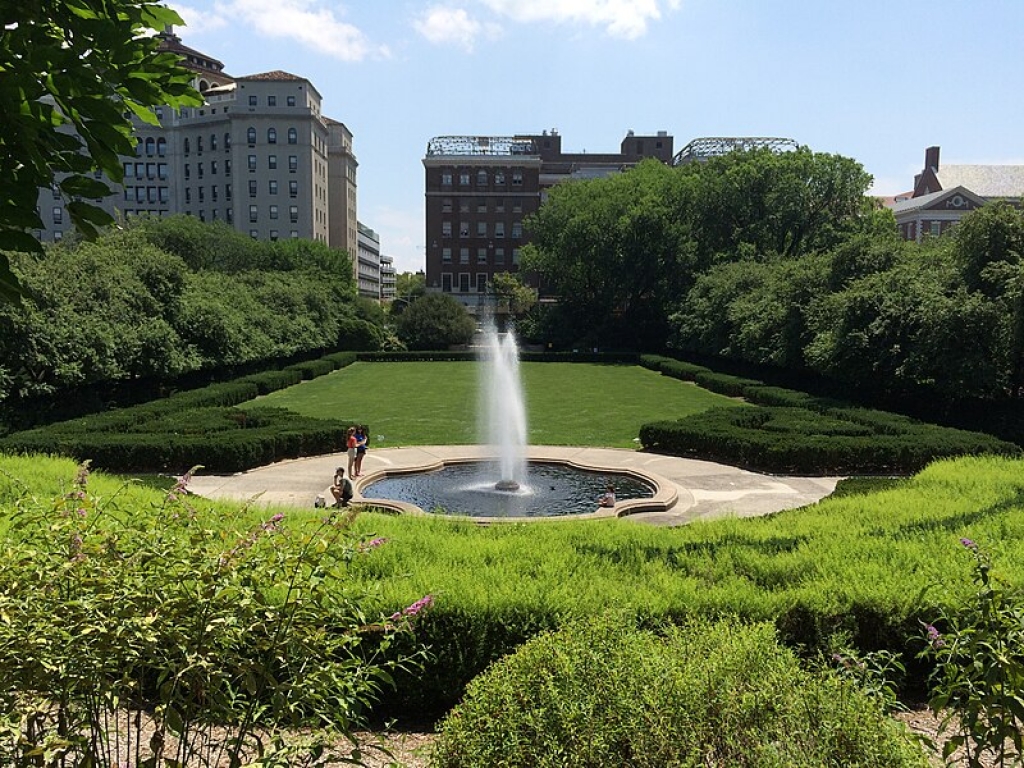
931 159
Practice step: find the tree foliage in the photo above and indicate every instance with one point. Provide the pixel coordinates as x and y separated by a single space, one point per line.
123 308
435 321
72 75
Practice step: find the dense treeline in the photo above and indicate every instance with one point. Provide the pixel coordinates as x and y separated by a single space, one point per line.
781 260
161 298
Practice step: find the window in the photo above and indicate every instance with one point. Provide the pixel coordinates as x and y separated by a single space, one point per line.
202 195
254 233
463 282
230 214
272 162
58 235
481 255
446 178
188 171
252 101
227 167
213 193
272 186
463 255
159 112
273 211
481 229
499 255
293 189
129 170
199 170
293 234
161 146
293 163
151 170
446 229
446 255
517 206
271 135
252 163
273 234
164 195
140 194
446 205
252 188
499 177
481 206
199 144
481 282
464 229
446 282
271 101
250 136
481 178
499 229
215 216
464 178
290 101
213 167
517 230
293 214
227 141
253 216
58 215
188 195
227 191
936 228
463 205
293 136
151 147
185 146
161 171
517 178
213 141
515 257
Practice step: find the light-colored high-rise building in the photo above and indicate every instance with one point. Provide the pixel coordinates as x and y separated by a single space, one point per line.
368 263
259 154
388 278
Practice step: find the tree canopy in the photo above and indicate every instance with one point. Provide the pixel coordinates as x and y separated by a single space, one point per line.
72 75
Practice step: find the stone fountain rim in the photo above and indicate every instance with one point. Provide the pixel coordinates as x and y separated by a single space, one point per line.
665 495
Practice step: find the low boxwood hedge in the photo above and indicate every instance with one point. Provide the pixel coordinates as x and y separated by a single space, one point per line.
201 426
798 440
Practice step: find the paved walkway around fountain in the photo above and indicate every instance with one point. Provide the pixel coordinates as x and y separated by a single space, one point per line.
701 489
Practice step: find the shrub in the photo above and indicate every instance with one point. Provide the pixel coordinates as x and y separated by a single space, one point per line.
603 693
213 631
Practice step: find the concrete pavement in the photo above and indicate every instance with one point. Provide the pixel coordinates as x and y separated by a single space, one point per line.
686 489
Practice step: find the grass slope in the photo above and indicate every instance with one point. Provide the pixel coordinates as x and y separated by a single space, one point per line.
435 403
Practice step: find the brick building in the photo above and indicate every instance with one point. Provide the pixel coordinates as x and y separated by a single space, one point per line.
479 190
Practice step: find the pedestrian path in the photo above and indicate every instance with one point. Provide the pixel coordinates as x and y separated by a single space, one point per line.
692 489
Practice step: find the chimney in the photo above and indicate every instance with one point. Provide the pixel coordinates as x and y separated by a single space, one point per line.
931 159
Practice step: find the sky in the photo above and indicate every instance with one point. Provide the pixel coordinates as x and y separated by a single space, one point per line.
874 80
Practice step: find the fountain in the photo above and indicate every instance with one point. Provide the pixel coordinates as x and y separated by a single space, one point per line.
502 412
494 480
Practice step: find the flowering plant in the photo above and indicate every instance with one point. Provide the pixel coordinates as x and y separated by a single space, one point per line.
978 682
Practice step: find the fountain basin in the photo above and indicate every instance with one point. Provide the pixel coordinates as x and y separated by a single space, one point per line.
663 493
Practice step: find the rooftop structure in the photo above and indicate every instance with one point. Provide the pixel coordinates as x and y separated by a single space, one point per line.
704 148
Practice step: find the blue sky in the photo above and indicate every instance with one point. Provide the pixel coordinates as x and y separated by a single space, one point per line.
875 80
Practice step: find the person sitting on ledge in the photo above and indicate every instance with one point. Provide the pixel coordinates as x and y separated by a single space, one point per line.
607 499
341 488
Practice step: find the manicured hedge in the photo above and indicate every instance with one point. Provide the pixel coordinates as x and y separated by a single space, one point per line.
471 355
798 440
200 426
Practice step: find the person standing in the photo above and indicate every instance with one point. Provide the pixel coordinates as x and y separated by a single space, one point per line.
350 448
362 441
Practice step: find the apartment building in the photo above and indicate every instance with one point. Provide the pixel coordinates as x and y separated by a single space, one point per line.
368 263
388 278
259 154
480 189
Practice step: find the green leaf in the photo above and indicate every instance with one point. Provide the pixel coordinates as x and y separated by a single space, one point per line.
84 186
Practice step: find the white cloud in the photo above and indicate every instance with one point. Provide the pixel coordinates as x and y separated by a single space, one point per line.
442 25
304 22
198 21
620 18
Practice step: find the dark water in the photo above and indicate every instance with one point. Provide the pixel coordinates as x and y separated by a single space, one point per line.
551 490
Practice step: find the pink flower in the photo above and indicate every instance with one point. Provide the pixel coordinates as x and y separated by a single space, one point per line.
424 602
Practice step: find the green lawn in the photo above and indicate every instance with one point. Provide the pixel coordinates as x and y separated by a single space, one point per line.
435 403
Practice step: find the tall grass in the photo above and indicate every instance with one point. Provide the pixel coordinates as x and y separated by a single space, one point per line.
435 403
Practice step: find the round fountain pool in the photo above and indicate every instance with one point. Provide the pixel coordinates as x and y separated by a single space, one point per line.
550 490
